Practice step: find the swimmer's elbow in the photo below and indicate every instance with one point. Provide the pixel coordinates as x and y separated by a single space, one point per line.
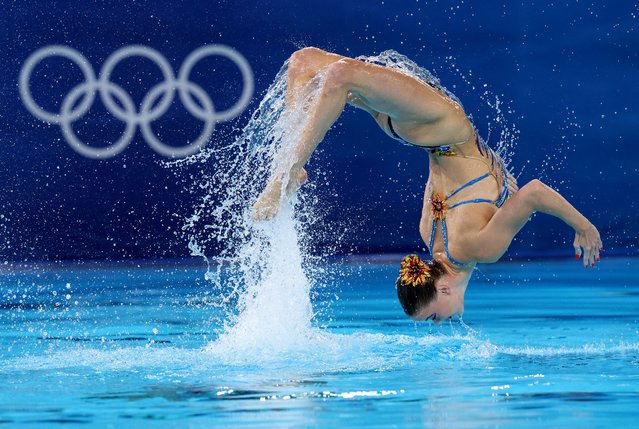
533 192
494 239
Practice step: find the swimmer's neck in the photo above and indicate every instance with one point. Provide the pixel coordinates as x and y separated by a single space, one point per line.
461 272
457 278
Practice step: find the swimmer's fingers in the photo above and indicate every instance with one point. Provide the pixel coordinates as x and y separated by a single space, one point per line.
587 244
591 256
588 253
577 246
595 244
582 250
577 250
585 254
597 249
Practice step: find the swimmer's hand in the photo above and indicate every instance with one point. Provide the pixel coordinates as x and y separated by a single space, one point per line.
268 202
587 244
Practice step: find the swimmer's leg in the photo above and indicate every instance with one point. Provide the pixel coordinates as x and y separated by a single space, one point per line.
404 98
303 66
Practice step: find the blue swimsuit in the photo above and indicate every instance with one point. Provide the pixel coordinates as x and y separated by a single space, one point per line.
440 206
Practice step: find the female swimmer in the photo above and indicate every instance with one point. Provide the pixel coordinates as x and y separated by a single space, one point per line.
472 205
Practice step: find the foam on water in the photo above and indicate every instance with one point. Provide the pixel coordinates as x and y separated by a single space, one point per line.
589 349
321 352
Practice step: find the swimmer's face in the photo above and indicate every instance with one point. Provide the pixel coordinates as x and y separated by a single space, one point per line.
446 305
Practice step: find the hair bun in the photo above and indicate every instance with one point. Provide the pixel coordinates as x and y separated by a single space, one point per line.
413 271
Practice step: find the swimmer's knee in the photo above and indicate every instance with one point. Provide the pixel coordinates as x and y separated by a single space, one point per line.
308 51
302 60
339 75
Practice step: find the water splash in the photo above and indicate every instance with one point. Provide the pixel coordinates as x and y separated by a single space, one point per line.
275 310
256 269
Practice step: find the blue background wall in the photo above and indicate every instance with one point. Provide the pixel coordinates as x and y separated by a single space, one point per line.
566 75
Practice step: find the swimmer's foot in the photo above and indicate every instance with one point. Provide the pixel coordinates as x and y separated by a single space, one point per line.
268 202
294 185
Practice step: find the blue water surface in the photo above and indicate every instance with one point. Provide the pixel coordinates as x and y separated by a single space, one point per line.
546 344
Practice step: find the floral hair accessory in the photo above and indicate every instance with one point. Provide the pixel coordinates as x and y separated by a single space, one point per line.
413 271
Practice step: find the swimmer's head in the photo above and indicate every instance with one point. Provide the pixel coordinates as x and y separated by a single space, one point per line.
423 293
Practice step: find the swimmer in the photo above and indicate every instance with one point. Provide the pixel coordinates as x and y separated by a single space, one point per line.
472 208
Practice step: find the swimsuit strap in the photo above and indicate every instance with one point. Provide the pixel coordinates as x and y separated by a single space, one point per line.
467 184
433 227
445 237
504 195
392 130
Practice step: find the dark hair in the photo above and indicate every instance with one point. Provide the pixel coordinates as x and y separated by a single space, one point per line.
414 297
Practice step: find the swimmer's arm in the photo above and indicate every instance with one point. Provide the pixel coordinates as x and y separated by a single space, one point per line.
493 240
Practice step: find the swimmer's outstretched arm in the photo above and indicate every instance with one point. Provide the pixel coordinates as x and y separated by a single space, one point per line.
493 240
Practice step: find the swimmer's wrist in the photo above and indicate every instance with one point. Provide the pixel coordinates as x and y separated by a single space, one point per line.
582 224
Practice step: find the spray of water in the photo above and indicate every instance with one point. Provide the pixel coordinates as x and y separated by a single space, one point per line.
255 268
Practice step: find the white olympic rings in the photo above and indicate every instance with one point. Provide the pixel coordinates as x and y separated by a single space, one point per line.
149 111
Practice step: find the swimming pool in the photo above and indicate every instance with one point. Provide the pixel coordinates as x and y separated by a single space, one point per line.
547 344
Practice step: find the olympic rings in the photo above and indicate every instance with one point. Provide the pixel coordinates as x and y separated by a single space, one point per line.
125 110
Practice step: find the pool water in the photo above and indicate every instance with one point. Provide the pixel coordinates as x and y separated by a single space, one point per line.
544 344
